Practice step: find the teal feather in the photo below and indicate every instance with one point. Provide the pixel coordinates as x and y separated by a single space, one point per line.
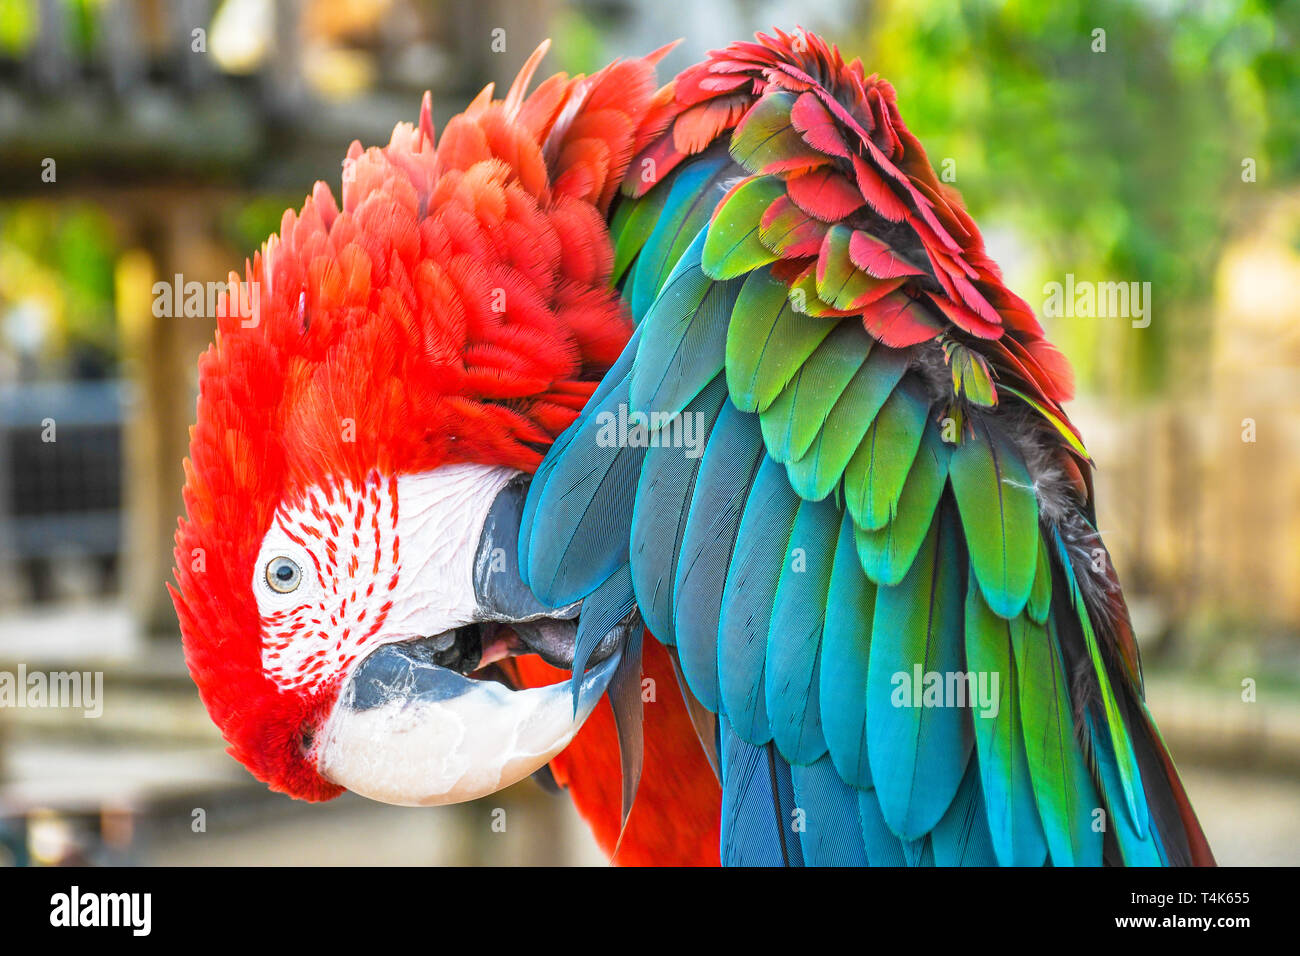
583 518
832 834
727 470
758 805
918 753
1137 849
999 736
662 505
883 846
683 338
962 837
695 192
616 377
846 643
794 633
747 600
918 852
608 604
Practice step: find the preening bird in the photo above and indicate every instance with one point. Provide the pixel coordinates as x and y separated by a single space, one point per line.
685 440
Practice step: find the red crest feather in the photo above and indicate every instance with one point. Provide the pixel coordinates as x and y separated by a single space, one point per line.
457 309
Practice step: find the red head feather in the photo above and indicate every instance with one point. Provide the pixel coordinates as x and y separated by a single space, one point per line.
457 309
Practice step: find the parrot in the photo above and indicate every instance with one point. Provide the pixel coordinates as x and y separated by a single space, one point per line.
680 445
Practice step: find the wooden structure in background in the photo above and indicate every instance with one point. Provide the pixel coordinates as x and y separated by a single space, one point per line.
153 133
1200 492
168 146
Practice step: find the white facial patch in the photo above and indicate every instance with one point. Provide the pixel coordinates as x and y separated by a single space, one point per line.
386 561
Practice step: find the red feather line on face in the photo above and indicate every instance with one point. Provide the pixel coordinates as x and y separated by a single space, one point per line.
457 308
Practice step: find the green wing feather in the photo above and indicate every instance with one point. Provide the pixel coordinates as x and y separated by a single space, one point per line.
817 473
766 140
632 223
1039 604
767 341
1124 758
874 478
792 421
999 738
733 247
887 553
1066 797
999 512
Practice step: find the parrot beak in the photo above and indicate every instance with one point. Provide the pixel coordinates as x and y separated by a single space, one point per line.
434 721
410 732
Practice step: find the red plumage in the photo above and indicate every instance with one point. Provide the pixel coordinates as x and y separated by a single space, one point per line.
674 821
457 309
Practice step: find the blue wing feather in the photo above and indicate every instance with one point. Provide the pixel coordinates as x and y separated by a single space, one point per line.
832 835
663 499
727 470
962 837
846 642
795 633
747 600
918 752
694 192
757 805
884 848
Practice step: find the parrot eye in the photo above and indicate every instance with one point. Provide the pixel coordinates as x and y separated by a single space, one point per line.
283 575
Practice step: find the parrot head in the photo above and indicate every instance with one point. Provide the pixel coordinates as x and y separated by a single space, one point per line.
384 379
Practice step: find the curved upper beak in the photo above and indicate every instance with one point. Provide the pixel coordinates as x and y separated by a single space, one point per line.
410 727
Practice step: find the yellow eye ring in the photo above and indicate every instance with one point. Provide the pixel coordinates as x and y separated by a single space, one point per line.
283 575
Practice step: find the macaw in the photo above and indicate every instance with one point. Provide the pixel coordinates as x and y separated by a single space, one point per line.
685 441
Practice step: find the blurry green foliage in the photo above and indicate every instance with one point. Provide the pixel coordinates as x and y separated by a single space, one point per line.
577 44
19 20
64 253
17 26
247 224
1122 165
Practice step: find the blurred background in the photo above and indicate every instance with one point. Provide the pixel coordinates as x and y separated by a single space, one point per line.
1135 141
